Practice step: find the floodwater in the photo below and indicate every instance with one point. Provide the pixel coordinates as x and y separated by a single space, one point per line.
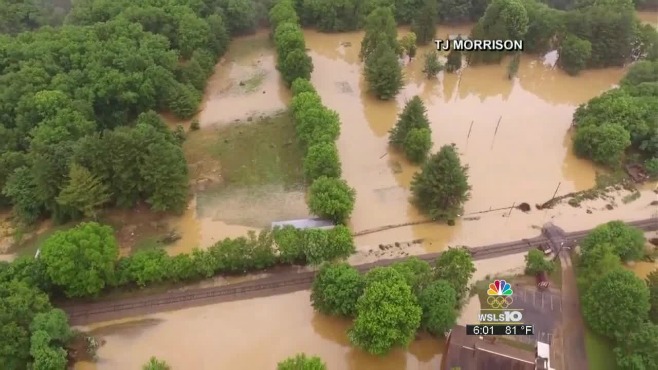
524 161
252 334
642 269
649 17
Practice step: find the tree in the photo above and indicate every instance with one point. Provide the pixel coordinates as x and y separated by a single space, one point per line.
604 144
438 301
322 245
456 267
84 192
81 260
413 116
388 314
380 28
596 263
627 242
55 323
165 176
283 11
331 198
416 272
432 65
503 19
382 71
652 282
301 85
638 349
240 16
336 289
418 144
155 364
424 22
288 37
322 160
297 64
441 188
302 362
454 61
617 304
408 44
574 54
535 263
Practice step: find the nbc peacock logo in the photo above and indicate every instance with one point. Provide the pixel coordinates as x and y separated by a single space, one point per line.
499 294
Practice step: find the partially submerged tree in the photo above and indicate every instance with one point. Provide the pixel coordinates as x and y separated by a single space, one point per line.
439 302
156 364
441 187
408 44
382 71
432 65
412 131
456 267
302 362
424 22
626 241
336 289
331 198
380 27
388 314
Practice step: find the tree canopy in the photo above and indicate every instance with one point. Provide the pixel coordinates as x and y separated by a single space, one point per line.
455 266
156 364
652 283
626 241
535 262
438 301
388 313
616 304
331 198
412 132
441 187
336 289
302 362
637 351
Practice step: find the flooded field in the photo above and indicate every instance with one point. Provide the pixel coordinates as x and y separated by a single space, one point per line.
253 334
525 162
649 17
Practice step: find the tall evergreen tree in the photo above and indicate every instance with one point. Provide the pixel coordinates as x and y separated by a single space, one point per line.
441 188
380 25
412 132
84 192
383 71
424 23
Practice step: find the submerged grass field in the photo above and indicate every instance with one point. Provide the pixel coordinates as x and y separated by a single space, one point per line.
599 352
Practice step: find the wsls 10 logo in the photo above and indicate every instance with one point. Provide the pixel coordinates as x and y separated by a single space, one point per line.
499 298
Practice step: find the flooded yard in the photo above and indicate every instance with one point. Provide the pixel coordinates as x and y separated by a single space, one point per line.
252 334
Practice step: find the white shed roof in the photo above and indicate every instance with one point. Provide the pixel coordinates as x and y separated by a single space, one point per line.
307 223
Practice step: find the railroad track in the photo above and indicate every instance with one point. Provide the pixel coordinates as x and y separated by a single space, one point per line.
85 313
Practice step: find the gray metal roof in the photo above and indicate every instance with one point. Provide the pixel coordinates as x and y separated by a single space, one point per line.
307 223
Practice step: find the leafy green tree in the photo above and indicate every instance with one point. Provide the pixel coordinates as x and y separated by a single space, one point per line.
380 28
336 289
84 192
642 71
165 177
304 101
20 189
240 16
383 72
55 323
439 302
408 44
81 260
19 305
424 22
574 53
418 144
301 85
441 188
45 356
297 64
503 19
322 246
289 244
283 11
535 262
288 37
604 144
651 165
597 262
652 282
388 314
638 349
155 364
454 61
331 198
316 124
302 362
617 304
416 272
456 267
627 242
432 65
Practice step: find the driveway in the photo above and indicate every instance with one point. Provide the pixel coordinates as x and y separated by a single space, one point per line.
542 309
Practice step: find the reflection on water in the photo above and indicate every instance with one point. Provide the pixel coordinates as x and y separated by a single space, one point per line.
252 334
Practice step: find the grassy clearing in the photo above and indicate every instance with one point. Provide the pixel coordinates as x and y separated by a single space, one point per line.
28 245
260 152
556 276
599 352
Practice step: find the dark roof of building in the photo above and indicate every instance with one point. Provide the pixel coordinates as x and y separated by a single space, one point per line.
470 352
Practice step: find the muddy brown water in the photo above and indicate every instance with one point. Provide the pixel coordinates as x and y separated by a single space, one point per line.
253 334
649 17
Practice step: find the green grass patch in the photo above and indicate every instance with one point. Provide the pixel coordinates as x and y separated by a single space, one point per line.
556 276
599 352
261 152
631 197
250 85
31 242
